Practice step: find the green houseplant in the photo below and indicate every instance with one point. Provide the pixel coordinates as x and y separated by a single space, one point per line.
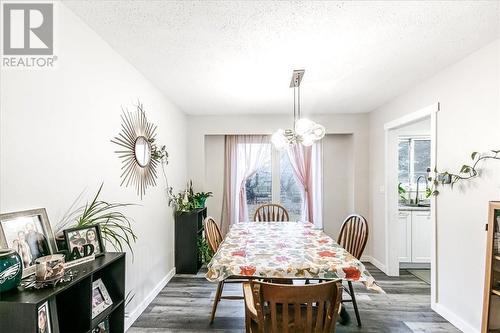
204 253
116 227
200 198
467 171
187 200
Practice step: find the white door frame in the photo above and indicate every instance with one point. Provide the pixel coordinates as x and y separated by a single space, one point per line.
391 258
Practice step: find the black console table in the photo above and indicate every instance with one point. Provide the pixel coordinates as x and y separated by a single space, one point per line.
188 228
70 303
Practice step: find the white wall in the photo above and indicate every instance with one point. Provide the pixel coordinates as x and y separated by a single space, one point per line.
418 128
56 126
214 174
468 120
338 181
205 154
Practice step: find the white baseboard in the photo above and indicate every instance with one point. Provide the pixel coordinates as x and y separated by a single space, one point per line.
365 258
374 262
151 296
453 318
439 308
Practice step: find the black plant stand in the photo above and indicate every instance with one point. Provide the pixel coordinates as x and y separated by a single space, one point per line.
188 227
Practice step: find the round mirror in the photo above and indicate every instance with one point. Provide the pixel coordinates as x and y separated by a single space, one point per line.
142 151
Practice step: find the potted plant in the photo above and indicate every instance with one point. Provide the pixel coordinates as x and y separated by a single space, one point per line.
116 228
200 198
188 200
182 202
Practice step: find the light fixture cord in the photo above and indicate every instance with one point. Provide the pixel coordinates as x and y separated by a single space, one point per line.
298 102
294 111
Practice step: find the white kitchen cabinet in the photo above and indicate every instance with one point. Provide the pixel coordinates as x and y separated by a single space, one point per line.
414 241
404 239
421 237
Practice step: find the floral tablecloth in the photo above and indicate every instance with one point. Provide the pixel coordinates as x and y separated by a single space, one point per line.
284 250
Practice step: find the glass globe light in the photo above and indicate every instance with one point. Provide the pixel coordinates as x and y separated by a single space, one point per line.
279 139
319 131
308 140
304 126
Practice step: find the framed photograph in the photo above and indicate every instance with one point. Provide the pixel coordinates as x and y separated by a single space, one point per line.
44 323
103 327
84 241
29 233
100 298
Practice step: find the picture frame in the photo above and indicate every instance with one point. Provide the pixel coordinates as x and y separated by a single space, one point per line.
29 233
78 241
102 327
47 319
100 298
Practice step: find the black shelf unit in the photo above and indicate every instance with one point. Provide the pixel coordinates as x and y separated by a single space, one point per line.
70 304
188 227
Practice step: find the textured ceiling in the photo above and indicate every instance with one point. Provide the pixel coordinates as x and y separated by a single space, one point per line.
237 57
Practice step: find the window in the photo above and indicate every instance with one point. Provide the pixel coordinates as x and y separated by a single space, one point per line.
290 188
259 188
414 160
274 182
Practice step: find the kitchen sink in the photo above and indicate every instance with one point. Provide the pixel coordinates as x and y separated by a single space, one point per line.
415 205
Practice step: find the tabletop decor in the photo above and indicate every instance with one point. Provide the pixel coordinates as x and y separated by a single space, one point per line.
29 234
10 269
285 250
84 241
49 268
137 149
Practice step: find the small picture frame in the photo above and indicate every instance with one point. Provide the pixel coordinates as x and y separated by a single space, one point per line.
102 327
100 298
84 241
29 234
44 324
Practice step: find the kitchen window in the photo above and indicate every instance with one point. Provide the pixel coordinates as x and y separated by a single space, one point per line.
414 160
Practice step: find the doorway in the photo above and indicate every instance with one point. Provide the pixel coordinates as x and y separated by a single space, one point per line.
410 220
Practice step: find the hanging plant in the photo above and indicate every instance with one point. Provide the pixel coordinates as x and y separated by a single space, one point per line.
467 171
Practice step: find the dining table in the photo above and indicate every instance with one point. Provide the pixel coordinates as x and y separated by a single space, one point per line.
285 250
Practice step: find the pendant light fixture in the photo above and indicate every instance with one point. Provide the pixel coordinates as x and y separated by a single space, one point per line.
304 131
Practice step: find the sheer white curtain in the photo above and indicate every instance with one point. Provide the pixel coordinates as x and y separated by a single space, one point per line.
243 156
308 169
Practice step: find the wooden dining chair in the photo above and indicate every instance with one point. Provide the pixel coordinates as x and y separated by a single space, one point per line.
213 237
353 237
277 308
271 213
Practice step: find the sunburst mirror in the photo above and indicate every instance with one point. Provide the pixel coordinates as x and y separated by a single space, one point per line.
136 140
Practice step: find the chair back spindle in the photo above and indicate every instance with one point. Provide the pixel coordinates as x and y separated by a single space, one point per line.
304 308
271 213
354 235
213 235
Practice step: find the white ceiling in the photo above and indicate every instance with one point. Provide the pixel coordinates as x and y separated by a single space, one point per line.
237 57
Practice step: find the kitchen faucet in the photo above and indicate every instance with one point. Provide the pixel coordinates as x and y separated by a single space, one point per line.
418 180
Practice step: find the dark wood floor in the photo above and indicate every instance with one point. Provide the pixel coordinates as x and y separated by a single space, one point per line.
184 306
